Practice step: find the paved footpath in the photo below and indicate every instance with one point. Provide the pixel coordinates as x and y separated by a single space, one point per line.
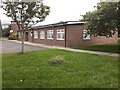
8 46
70 49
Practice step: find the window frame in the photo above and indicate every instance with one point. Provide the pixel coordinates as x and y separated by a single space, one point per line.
19 34
31 33
42 34
61 33
48 33
88 37
36 35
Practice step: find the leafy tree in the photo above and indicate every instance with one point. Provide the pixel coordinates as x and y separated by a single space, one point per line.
0 29
26 14
6 32
118 18
104 21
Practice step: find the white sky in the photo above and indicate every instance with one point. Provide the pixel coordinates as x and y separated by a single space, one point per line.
62 10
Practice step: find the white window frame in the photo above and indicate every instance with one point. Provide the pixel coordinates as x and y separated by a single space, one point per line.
84 34
60 32
19 34
35 34
49 34
31 33
42 34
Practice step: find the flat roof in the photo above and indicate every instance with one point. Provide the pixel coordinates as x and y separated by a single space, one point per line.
59 24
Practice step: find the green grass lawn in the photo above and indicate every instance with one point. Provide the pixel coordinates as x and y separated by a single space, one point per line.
80 70
0 71
3 38
113 48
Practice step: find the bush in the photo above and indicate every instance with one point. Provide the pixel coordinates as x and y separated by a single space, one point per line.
5 32
57 60
118 41
13 37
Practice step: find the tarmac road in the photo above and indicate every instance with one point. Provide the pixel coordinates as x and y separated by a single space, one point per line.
7 46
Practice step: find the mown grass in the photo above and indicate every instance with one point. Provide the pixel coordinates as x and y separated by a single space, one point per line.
113 48
33 70
4 38
0 71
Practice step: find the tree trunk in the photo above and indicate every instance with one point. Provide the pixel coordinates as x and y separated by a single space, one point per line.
0 29
22 50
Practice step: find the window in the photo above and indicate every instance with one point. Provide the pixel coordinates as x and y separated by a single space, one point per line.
19 35
42 34
50 34
86 35
61 34
31 33
35 34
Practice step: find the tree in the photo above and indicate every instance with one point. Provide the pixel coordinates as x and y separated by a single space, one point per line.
25 14
0 29
118 18
6 32
104 21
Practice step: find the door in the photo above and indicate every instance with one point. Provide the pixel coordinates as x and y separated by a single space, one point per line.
26 36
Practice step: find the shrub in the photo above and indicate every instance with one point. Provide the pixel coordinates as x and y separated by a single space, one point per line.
6 32
118 41
13 37
57 60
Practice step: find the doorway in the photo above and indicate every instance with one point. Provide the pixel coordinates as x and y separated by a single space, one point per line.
26 36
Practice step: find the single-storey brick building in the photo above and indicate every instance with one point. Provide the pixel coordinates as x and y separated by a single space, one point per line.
65 34
14 27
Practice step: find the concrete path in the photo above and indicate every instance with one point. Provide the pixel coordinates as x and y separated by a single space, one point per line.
10 47
70 49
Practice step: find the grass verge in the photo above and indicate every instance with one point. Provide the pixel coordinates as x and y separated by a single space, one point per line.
3 38
113 48
33 70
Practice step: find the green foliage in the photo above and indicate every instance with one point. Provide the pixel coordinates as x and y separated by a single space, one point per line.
13 37
24 13
32 70
6 32
118 41
105 20
0 29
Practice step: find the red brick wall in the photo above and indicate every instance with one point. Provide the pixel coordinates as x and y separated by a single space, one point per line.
14 27
30 38
74 37
100 40
53 41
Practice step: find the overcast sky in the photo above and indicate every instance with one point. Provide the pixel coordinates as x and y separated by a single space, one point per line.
63 10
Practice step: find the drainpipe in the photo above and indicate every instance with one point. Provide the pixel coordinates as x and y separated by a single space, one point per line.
32 36
65 33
